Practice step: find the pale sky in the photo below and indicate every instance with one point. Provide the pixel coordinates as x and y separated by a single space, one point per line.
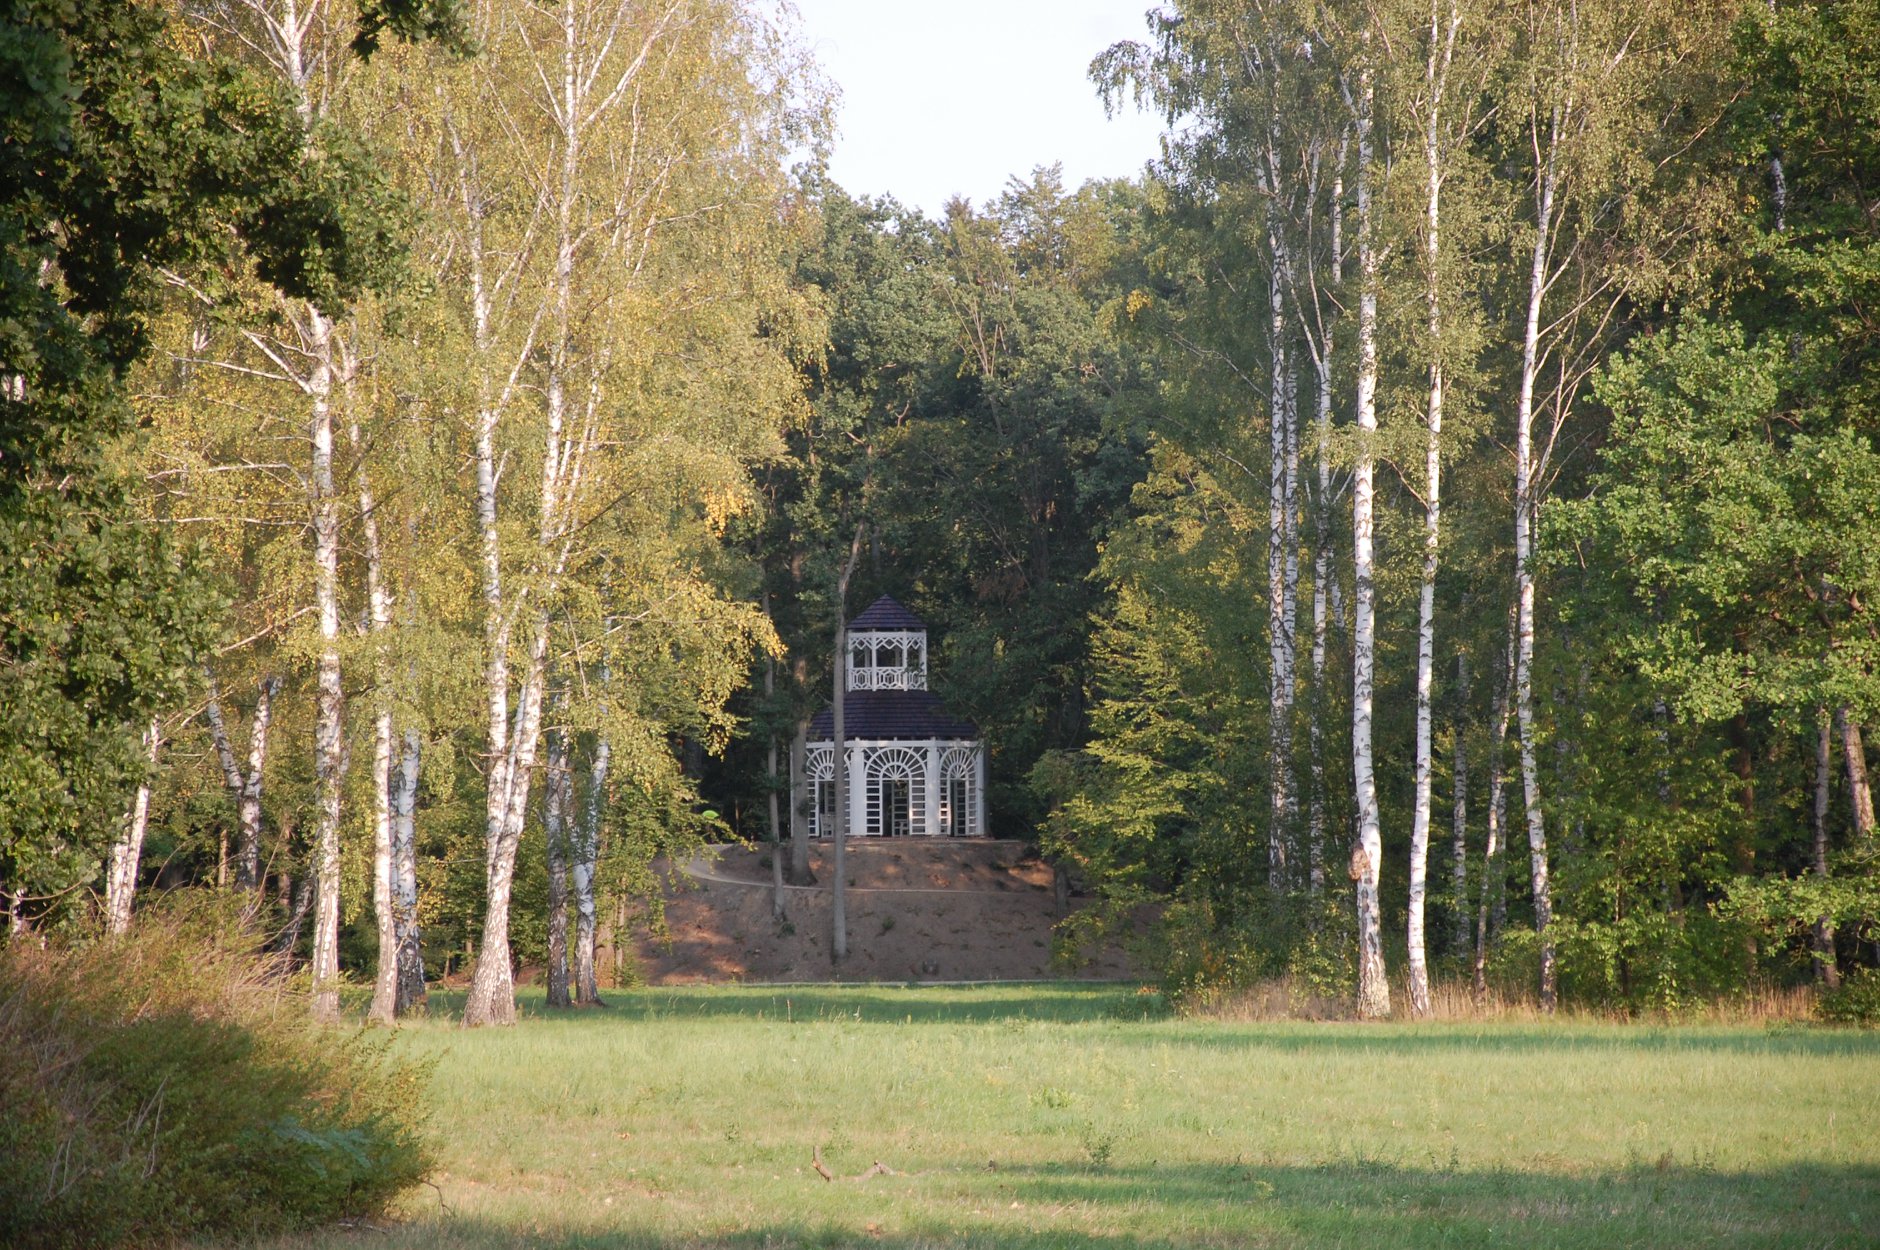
949 97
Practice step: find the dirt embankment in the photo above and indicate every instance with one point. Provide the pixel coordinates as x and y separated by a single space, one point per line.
918 910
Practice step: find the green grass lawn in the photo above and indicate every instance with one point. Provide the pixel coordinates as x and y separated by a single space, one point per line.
1036 1116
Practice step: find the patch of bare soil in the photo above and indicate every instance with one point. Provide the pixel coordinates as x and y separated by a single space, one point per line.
918 910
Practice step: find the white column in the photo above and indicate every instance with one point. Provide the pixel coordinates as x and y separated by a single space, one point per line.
858 800
978 821
933 787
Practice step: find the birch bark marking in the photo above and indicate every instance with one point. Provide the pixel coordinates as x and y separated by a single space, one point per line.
839 904
121 882
1826 967
1367 855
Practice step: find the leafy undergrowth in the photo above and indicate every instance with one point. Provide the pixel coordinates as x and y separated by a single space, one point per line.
165 1085
1038 1116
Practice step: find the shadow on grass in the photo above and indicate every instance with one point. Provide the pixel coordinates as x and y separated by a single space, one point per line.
1072 1003
1057 1002
1357 1202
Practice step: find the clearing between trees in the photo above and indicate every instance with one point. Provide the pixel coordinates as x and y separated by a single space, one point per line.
1069 1116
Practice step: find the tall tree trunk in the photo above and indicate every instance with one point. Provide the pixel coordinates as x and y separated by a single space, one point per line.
329 747
1434 81
121 883
587 854
771 779
839 906
587 863
384 1006
1323 584
1367 855
1826 966
557 814
245 787
1459 814
412 992
1525 509
1283 802
1488 918
1859 796
805 791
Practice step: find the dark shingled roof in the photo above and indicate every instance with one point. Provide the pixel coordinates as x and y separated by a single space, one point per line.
890 714
885 613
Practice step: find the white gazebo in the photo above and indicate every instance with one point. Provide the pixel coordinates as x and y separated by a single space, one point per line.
913 769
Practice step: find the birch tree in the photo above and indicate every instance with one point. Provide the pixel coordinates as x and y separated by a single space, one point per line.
127 851
1579 121
1447 109
578 150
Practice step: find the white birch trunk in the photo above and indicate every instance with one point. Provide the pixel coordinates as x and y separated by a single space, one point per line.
1827 969
1459 815
120 891
1322 585
1283 803
245 788
1524 516
1435 76
384 1005
587 852
412 992
1367 854
1492 872
557 814
329 729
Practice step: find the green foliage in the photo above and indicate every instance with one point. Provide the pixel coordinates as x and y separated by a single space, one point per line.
164 1086
1855 1001
127 161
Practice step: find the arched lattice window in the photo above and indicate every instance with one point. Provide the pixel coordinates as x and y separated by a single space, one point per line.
895 783
819 767
959 786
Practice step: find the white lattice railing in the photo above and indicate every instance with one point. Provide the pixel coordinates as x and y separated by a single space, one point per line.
886 679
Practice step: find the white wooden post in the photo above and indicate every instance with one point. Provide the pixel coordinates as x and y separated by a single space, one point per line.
977 822
934 783
858 798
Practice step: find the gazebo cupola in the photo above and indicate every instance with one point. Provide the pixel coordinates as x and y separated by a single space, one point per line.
887 649
913 769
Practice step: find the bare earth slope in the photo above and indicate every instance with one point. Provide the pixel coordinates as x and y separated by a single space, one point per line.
919 910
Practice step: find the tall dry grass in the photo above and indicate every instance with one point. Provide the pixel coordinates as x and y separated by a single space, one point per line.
168 1084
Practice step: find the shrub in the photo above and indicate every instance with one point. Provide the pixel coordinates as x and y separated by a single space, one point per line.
1855 1001
167 1085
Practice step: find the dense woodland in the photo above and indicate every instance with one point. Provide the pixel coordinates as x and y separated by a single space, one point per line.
1420 530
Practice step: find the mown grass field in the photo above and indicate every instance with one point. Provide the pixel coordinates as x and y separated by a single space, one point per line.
1043 1116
